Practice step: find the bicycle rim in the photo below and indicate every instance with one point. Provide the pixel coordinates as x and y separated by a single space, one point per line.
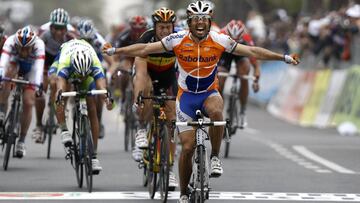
79 166
145 176
152 176
127 135
201 174
49 135
88 154
165 164
9 143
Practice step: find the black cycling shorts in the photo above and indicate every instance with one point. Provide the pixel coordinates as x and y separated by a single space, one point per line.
166 81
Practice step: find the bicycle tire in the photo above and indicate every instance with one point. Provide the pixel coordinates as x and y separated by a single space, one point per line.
79 166
49 135
128 118
152 176
9 144
88 153
127 135
10 131
232 110
165 163
145 176
201 170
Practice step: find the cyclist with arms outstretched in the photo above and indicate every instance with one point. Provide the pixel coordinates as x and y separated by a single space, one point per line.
198 51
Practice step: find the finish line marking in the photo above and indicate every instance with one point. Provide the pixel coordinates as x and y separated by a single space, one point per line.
266 196
312 156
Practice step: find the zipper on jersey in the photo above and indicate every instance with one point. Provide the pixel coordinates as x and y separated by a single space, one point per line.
198 68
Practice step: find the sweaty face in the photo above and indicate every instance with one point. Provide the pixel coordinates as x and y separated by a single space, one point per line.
24 52
163 29
199 25
58 32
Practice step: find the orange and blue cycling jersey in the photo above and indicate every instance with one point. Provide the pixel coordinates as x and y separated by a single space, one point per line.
197 61
197 69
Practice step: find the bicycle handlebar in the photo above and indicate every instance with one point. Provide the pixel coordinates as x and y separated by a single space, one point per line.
18 81
202 123
246 77
91 92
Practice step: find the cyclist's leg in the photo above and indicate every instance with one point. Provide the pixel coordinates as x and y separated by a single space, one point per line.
11 72
186 105
243 68
213 106
94 122
224 65
142 83
185 160
124 78
28 103
52 84
40 101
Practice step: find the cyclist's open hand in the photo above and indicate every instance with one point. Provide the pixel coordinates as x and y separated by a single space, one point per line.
256 86
108 49
293 59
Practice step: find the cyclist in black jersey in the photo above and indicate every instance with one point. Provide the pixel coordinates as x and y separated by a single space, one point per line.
160 67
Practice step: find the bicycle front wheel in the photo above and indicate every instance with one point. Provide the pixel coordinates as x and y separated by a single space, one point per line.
9 142
88 153
79 165
152 167
165 163
200 195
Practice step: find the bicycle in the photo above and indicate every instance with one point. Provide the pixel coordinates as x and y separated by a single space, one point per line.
49 128
157 160
130 118
233 108
11 127
82 150
199 186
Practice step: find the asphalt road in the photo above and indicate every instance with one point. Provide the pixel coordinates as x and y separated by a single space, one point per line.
269 161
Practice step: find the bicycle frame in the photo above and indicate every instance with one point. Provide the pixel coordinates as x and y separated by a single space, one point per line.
11 124
83 151
199 185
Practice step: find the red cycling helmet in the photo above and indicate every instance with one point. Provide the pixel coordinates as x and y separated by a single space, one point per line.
235 28
138 23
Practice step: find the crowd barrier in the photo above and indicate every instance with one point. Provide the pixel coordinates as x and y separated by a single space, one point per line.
318 98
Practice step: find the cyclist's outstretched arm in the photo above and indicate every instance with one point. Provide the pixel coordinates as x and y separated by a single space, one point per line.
263 54
140 49
101 85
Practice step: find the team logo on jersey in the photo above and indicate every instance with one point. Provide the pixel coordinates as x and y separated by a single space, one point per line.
188 45
197 59
171 37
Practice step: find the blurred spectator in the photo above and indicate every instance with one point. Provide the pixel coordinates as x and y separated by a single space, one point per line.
255 24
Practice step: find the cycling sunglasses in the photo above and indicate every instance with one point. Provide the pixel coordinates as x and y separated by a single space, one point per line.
197 18
59 27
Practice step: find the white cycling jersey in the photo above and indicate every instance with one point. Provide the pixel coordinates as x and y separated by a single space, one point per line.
31 67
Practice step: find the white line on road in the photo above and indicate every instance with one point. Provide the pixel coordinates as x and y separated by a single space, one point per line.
310 155
121 195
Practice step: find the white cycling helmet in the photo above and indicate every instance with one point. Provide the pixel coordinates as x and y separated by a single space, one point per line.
86 29
81 60
235 28
25 37
199 8
59 17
